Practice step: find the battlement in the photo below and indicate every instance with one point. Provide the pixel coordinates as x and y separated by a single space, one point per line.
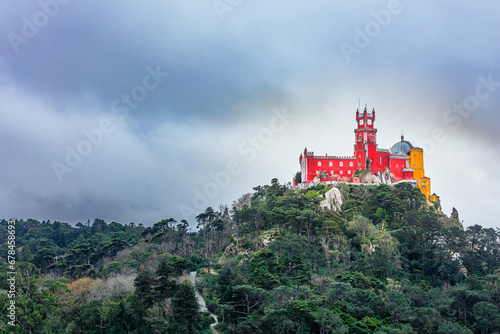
329 157
368 114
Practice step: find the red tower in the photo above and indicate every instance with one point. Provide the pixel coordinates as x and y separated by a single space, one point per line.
365 142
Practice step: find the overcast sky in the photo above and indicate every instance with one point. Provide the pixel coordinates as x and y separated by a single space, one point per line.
141 111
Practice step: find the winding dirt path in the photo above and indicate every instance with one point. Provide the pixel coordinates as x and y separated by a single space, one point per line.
201 302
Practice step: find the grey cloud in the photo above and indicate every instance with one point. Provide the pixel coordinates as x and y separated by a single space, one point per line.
225 78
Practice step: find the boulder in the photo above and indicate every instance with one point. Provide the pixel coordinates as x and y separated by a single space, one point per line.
454 215
333 200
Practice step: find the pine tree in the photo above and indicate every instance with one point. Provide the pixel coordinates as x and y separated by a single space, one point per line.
166 286
185 308
143 288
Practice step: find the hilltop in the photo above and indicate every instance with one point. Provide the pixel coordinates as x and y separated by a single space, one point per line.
343 259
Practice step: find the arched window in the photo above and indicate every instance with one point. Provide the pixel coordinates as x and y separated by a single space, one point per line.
341 172
350 164
348 172
319 163
330 164
359 138
341 164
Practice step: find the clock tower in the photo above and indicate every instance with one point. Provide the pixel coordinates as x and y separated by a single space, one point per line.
365 142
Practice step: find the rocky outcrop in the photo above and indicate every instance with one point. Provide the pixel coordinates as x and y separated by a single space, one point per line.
324 174
454 215
366 177
333 200
385 177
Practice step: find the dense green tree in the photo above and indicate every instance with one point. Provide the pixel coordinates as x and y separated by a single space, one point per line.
398 307
205 220
245 299
487 318
397 329
44 257
453 327
298 258
361 303
424 255
116 227
425 320
464 300
329 322
185 308
144 287
166 285
225 283
264 270
114 267
482 255
491 284
119 318
178 264
98 226
109 248
80 254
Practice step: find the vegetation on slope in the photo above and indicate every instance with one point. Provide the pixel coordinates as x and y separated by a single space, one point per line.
273 263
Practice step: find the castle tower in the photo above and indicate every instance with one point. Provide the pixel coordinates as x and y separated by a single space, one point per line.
416 161
365 139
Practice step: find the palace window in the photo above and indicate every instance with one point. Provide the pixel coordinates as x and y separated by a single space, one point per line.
319 163
341 164
330 164
341 172
380 160
348 172
350 163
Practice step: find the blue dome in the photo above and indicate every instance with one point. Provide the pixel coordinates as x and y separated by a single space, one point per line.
403 146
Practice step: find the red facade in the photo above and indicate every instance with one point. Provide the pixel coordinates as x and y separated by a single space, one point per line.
367 155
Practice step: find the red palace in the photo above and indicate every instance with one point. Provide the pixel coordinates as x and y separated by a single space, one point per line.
401 162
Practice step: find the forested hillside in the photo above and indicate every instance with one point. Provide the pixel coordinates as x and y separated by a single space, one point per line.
273 262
